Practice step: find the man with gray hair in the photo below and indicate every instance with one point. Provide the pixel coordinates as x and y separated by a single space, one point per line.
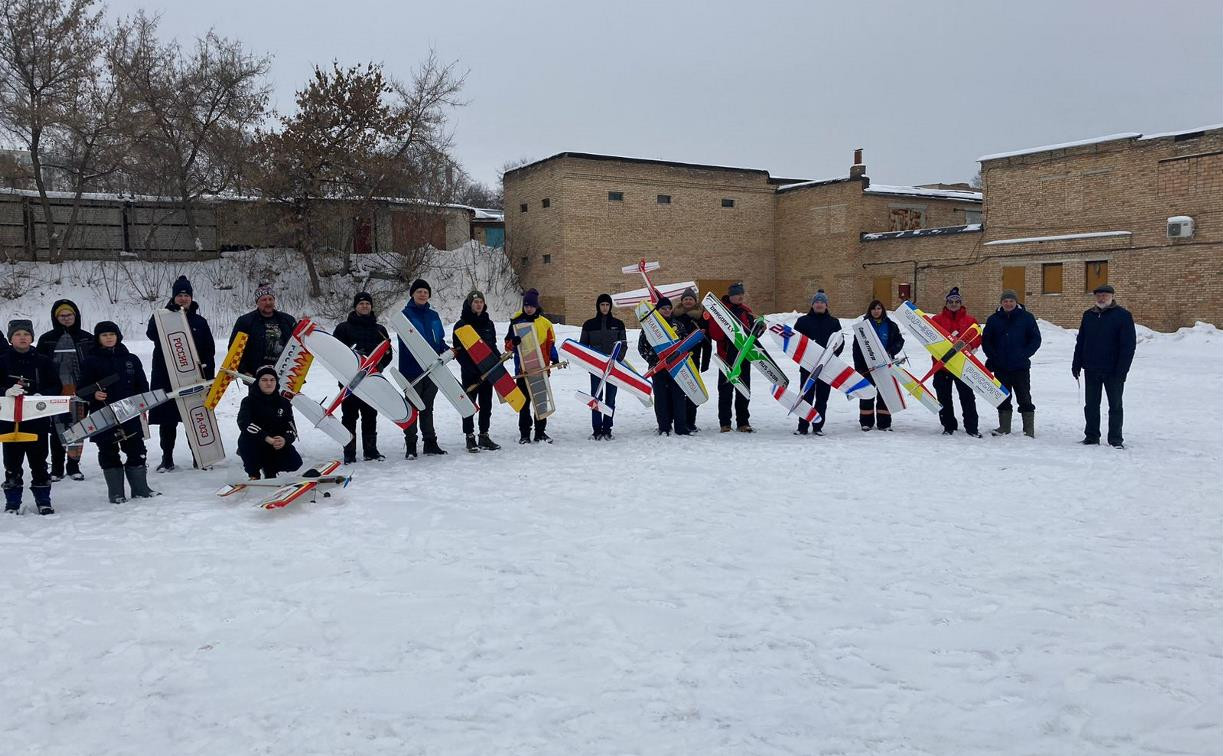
1104 349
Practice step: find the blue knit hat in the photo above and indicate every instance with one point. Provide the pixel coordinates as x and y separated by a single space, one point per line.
820 296
735 289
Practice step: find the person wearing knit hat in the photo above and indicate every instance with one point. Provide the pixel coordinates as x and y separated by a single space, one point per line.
24 371
1010 339
362 332
166 416
819 325
267 429
67 345
479 387
604 332
1104 349
531 313
727 394
669 409
110 358
955 320
691 316
267 330
428 324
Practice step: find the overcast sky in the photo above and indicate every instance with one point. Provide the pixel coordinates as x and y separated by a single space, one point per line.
790 87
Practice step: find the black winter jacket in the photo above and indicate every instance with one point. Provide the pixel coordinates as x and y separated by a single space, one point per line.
37 374
1106 341
694 320
119 362
647 351
485 329
819 328
258 351
159 378
1010 339
262 416
363 333
82 341
603 332
893 343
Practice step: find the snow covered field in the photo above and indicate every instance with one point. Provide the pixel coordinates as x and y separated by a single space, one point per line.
721 594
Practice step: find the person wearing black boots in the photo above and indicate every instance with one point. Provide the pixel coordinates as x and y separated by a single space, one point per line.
603 332
24 371
475 314
532 313
165 416
691 315
362 332
429 324
874 413
818 325
1010 339
265 419
111 358
669 409
67 345
1104 349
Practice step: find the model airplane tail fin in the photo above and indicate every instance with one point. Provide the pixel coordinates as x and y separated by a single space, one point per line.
593 403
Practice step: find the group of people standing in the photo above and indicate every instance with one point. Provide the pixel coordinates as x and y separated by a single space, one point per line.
97 366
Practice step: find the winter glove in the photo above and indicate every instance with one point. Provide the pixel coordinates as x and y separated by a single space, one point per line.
515 339
1075 373
15 390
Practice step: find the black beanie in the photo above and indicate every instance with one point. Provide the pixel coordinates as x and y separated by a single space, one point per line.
603 298
181 286
664 302
362 296
107 326
420 283
266 370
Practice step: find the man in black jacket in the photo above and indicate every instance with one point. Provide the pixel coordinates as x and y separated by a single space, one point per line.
24 371
267 329
165 416
818 325
1010 339
67 345
691 315
603 332
1105 350
669 409
362 332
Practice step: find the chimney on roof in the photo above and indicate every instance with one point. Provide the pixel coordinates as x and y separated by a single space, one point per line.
858 169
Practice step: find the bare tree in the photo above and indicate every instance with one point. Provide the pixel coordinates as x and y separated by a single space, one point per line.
357 135
196 109
48 54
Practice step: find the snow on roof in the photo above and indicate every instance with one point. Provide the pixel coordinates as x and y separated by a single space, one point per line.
1062 146
489 214
1059 237
917 191
917 232
816 182
1212 127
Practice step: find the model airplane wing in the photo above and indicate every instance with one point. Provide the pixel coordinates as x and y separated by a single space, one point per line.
491 367
615 372
795 404
534 368
433 365
671 291
662 337
31 406
811 356
954 357
378 393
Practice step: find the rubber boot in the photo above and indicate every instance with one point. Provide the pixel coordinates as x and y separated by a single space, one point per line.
42 498
114 485
1029 424
12 499
487 443
138 479
472 446
431 447
1004 424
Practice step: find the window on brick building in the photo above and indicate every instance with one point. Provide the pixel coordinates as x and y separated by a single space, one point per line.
547 202
615 196
547 259
664 199
522 208
907 218
525 260
972 216
1096 274
727 202
1051 278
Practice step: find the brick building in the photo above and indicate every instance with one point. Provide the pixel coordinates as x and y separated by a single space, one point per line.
1053 221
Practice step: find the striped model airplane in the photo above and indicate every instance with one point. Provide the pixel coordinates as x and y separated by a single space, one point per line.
674 354
491 367
320 478
650 293
889 377
954 353
608 368
822 362
14 409
359 376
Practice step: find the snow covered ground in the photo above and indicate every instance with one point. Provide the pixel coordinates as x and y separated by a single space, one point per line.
721 594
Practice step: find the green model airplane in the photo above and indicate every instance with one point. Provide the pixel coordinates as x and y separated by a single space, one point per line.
747 347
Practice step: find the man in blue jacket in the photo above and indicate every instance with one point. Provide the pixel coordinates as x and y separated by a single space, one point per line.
1010 339
1105 350
429 324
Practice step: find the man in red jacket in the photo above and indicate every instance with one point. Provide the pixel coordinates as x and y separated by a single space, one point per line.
955 320
734 301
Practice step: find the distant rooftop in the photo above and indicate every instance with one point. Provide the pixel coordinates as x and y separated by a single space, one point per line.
1128 135
652 161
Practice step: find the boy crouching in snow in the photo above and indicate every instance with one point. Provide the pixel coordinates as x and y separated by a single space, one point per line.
25 371
111 358
268 432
